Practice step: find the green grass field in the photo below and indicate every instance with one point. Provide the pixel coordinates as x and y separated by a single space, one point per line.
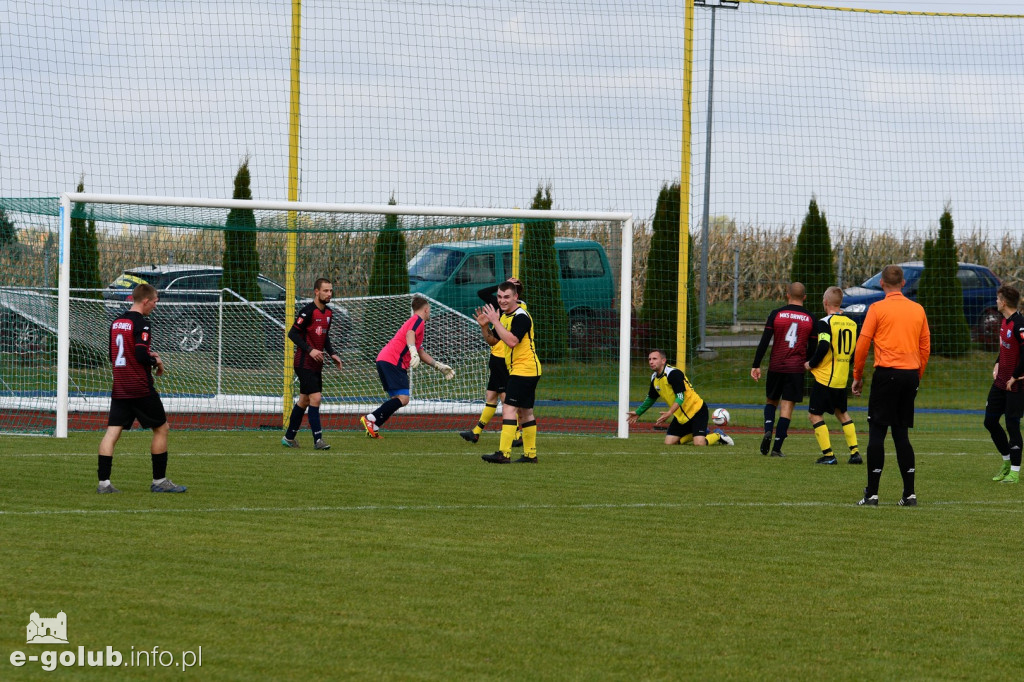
409 558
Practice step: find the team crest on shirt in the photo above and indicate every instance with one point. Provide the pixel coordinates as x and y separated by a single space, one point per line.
1020 334
145 336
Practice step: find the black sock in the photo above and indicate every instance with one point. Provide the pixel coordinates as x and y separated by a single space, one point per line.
103 469
314 423
781 431
159 465
294 422
876 456
769 418
382 413
905 458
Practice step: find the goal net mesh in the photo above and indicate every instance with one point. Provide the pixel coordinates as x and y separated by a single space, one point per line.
220 321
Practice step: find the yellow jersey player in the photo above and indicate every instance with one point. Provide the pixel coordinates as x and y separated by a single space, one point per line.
524 370
497 371
830 366
688 411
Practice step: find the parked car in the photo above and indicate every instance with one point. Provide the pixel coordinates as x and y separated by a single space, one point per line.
979 286
199 286
454 273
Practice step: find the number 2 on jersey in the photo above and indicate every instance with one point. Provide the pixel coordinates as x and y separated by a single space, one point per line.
120 360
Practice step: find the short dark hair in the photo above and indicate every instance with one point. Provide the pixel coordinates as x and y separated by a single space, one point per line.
892 275
143 292
1010 295
320 281
509 286
419 301
659 352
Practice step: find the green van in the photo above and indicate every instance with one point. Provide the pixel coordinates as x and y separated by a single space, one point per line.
453 273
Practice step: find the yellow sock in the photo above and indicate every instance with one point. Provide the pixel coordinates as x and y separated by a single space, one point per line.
485 417
519 429
851 436
821 435
712 438
508 434
530 438
688 438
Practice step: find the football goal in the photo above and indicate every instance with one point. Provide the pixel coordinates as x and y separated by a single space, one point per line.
231 275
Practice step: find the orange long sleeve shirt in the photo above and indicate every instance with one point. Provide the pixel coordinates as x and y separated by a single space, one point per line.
899 329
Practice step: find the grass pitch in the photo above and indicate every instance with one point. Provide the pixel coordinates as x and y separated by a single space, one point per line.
409 558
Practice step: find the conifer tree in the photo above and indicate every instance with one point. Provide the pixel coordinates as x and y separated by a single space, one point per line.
941 294
660 307
85 256
812 258
389 275
542 285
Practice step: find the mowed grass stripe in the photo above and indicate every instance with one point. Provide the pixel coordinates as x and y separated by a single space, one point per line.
626 560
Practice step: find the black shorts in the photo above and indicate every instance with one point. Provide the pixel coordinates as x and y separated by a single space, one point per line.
785 385
893 391
697 425
498 380
393 378
149 411
1002 402
825 400
310 381
521 391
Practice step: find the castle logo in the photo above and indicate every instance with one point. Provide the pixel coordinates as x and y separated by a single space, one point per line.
47 630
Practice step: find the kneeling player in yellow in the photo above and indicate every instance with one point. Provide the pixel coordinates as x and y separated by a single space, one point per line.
688 410
830 366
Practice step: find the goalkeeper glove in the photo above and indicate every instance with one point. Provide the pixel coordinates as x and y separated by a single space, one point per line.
444 369
414 358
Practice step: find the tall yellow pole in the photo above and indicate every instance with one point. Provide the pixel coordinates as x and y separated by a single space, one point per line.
516 227
684 190
293 195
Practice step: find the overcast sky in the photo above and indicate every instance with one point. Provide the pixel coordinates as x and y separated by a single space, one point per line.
475 102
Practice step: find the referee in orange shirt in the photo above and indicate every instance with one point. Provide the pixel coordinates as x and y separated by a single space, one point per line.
898 328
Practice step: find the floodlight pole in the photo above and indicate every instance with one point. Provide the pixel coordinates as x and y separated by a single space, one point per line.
705 228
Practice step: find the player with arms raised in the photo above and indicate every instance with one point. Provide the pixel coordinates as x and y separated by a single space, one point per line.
133 396
311 334
790 326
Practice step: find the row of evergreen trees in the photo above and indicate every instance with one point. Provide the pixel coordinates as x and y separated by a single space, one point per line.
939 291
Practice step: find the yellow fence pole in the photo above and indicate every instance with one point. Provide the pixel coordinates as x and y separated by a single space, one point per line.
684 191
293 195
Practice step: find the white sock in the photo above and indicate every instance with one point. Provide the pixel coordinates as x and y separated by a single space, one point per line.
106 482
1012 468
373 420
1006 458
158 482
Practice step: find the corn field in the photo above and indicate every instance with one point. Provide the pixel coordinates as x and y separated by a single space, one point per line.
765 254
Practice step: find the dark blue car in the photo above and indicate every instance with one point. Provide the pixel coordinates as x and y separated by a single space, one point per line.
979 285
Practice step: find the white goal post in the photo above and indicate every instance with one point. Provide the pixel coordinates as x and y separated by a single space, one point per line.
67 200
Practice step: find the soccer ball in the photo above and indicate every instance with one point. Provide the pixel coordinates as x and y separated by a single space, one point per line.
720 416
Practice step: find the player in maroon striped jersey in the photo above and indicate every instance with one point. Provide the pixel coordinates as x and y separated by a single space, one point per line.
1006 398
311 334
133 396
791 326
